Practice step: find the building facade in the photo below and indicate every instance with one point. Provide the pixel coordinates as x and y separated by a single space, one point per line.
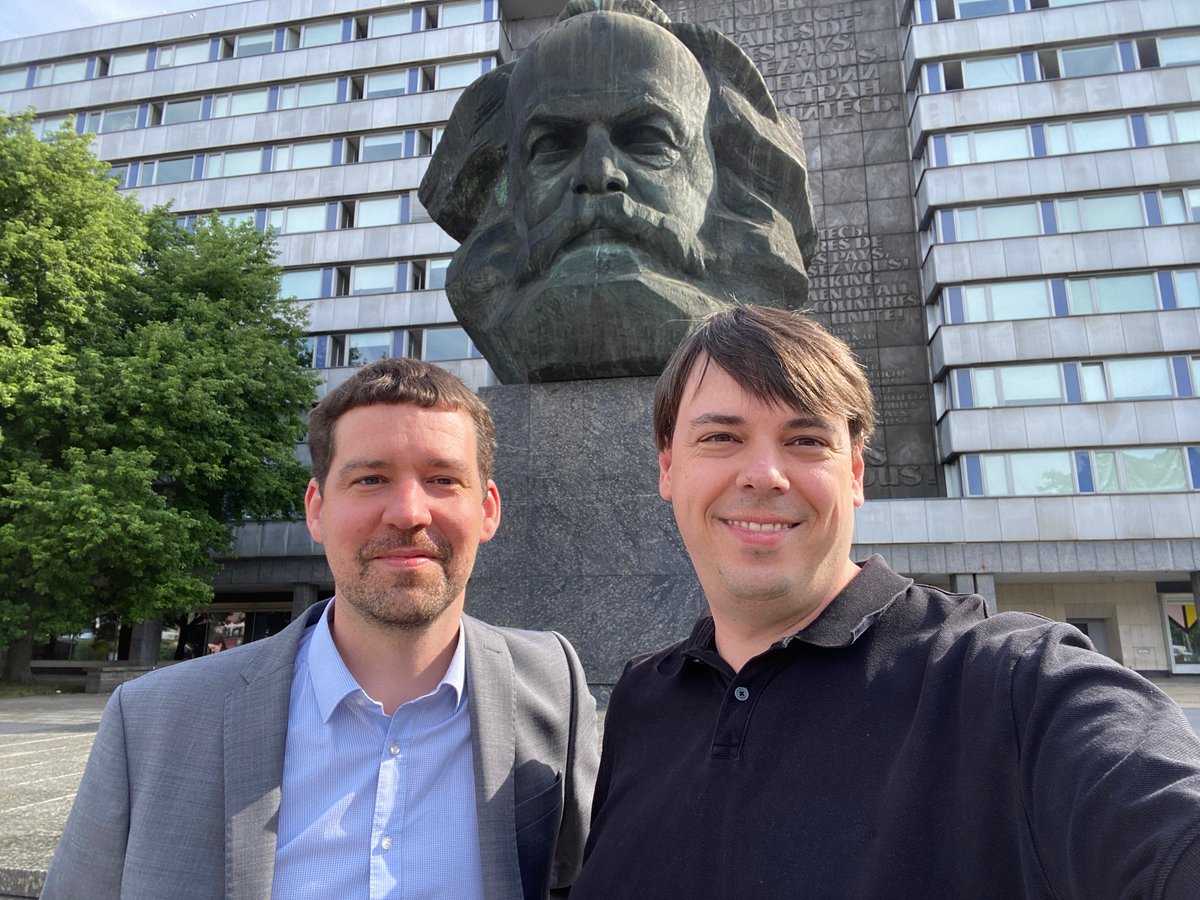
1008 193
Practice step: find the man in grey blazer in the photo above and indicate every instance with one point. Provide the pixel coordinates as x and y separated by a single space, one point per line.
383 744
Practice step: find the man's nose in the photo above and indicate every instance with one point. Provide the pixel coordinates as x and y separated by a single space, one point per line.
599 169
763 470
407 506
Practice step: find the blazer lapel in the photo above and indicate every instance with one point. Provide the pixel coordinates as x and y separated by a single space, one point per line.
256 717
490 699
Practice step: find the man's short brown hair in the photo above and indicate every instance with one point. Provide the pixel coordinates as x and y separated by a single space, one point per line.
398 381
776 355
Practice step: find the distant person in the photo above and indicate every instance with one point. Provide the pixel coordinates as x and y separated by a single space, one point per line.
383 744
832 729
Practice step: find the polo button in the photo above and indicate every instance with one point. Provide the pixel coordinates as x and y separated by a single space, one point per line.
386 843
741 693
394 749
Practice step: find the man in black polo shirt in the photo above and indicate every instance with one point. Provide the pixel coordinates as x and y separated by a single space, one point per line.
834 730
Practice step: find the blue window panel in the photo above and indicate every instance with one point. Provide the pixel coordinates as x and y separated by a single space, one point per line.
30 77
198 167
974 475
410 143
1153 212
339 145
206 105
214 49
398 342
1140 137
1071 382
1128 60
1058 292
1183 377
1039 140
418 19
191 222
151 59
1194 465
143 115
89 71
946 226
1083 472
933 78
955 304
327 282
80 124
414 83
331 216
488 64
347 29
343 89
405 208
1049 223
489 10
940 157
402 276
1166 290
1028 67
962 385
1020 6
273 97
321 351
268 157
260 219
132 178
280 37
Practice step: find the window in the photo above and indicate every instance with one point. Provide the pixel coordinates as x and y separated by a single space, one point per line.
1140 378
311 93
460 14
124 63
456 75
1118 211
1131 469
1100 134
376 279
13 79
120 173
1043 473
303 156
61 72
1080 61
1153 469
232 162
386 24
383 146
1008 143
43 128
121 119
182 54
319 34
1009 221
977 73
436 274
177 111
166 171
303 284
297 219
383 211
1112 293
241 103
254 43
443 344
1179 51
391 83
233 219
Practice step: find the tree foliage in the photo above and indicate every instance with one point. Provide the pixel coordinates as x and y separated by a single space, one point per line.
151 392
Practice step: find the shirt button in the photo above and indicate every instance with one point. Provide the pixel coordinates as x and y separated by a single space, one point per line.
394 749
741 693
386 843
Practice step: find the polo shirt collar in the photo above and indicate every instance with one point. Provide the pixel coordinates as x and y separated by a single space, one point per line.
332 682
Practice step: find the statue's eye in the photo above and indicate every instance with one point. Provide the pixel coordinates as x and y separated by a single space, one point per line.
644 139
546 147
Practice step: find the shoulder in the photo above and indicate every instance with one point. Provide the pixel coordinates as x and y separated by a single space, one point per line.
522 644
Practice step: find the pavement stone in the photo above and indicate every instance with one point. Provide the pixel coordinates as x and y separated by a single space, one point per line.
44 743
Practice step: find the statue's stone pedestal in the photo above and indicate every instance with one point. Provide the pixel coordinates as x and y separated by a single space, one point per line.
586 546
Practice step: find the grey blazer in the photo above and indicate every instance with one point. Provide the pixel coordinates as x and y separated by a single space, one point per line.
180 797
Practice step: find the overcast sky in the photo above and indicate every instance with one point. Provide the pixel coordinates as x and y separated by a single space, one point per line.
20 18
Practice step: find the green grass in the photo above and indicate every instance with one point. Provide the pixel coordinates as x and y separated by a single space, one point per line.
8 691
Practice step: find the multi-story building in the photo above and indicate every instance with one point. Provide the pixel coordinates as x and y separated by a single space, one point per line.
1009 192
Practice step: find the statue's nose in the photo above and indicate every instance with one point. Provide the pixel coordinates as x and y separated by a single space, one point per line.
599 169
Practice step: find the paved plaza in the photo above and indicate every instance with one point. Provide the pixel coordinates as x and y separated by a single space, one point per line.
44 742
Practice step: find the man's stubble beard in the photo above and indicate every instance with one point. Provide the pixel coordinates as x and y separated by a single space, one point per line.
403 601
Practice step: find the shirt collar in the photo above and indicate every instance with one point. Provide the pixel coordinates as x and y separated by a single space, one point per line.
848 616
332 682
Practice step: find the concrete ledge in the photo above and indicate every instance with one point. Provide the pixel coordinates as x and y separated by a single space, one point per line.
20 883
108 679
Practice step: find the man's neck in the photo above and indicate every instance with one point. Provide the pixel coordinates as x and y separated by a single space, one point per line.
397 665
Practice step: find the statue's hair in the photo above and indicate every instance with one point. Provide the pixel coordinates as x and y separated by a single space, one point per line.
471 158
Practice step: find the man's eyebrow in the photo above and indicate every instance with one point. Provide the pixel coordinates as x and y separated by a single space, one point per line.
805 420
717 419
809 420
350 466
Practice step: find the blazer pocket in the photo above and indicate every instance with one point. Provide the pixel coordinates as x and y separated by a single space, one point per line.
530 812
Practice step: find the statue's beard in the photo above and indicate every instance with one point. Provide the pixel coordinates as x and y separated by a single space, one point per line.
576 236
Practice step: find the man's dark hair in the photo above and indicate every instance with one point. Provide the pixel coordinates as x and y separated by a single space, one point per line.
398 381
776 355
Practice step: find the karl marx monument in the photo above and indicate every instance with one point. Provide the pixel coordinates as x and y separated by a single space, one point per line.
625 176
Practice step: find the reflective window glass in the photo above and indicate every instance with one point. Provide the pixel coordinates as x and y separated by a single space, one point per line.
1009 143
127 62
367 347
1042 473
1187 125
232 162
246 217
383 146
1020 300
182 54
995 474
1030 384
446 343
391 23
975 304
1124 293
1056 140
384 211
305 156
1104 472
60 73
969 9
244 102
436 279
1009 221
171 171
1091 382
304 218
303 284
374 279
1095 60
985 388
1187 292
387 84
1179 51
177 111
1120 211
455 75
1158 129
1067 214
1139 378
988 72
1154 469
13 79
1100 134
316 93
1172 207
255 44
960 149
320 33
460 13
968 225
119 119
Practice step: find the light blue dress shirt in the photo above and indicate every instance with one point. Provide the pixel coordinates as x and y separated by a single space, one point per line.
375 806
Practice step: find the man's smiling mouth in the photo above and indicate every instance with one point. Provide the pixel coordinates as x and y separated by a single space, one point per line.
760 526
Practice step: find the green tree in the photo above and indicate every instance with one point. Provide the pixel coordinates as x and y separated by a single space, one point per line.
151 395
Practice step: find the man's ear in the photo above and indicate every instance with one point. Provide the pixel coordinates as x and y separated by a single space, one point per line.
857 468
664 473
312 509
491 512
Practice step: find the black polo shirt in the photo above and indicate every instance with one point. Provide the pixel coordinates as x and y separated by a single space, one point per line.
904 744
